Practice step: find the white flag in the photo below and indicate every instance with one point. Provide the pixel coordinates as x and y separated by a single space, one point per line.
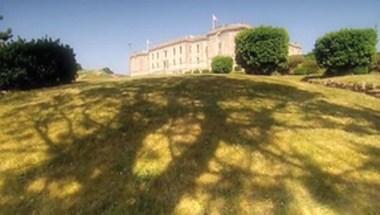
214 18
147 45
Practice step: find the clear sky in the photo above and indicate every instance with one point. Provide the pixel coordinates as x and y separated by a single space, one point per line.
100 30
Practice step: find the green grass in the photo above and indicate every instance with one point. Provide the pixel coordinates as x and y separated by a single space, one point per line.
94 75
205 144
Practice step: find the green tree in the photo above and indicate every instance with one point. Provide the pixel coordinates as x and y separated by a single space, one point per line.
294 61
346 51
5 35
262 50
376 64
107 70
222 64
36 63
79 67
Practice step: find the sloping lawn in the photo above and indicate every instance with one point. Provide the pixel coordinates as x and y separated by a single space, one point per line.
190 145
93 75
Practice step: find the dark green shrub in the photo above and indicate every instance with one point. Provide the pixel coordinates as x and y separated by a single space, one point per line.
262 50
79 67
222 64
343 51
37 63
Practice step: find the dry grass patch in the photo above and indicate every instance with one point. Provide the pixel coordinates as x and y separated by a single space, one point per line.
190 145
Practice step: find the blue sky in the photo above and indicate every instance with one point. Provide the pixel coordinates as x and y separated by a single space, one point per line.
100 30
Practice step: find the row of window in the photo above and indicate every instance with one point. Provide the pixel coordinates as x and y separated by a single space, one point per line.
157 54
166 63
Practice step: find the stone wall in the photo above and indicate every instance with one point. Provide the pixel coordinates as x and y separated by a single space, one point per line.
363 87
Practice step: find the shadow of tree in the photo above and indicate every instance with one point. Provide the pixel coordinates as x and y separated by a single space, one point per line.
96 171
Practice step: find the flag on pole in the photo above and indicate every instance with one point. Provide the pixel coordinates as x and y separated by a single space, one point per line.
147 45
214 20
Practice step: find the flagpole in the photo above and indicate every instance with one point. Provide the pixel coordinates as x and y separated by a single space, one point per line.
147 45
213 21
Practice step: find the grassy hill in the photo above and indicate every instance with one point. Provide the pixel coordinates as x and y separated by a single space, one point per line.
190 145
94 75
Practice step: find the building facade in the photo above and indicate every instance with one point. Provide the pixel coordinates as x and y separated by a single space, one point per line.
191 52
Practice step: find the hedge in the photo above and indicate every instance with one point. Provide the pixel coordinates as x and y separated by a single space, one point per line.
36 63
222 64
262 50
346 51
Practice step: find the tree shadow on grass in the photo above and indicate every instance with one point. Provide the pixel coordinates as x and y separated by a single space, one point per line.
102 171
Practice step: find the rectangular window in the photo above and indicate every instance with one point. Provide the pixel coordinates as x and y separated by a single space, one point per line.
180 49
158 66
158 55
152 66
174 51
197 48
174 62
166 53
166 64
220 47
152 56
198 60
180 61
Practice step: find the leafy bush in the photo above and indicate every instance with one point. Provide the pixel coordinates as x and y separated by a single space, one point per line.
346 50
308 66
262 50
294 61
300 71
222 64
311 66
376 64
237 68
360 70
37 63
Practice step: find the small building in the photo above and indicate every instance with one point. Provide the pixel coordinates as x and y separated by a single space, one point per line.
191 52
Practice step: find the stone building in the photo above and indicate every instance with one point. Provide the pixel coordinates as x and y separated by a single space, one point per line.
191 52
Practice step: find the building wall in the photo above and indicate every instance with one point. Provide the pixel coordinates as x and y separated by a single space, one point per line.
139 64
295 49
191 52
